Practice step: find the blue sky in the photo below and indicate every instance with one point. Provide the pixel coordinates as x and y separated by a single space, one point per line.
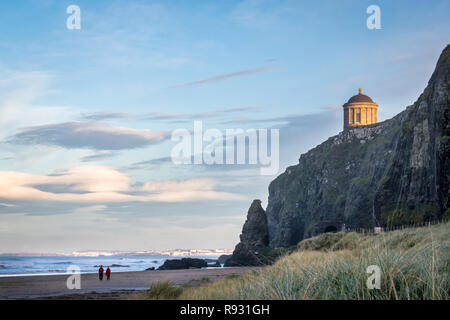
86 115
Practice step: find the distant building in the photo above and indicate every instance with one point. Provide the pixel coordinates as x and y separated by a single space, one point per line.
360 110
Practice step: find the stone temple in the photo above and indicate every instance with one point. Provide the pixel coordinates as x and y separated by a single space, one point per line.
360 110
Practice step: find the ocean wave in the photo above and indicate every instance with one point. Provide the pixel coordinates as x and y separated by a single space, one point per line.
114 266
119 266
64 262
8 258
3 267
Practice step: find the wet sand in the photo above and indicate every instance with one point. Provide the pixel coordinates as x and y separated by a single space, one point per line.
121 285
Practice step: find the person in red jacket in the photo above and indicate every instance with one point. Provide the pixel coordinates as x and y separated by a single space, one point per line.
100 273
108 273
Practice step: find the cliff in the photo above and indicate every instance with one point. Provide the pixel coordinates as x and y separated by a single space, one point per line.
390 173
254 237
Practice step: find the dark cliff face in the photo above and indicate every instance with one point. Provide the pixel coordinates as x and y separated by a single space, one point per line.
390 173
393 172
254 237
416 185
333 186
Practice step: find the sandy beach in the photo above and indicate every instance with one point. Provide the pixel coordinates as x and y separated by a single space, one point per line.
120 286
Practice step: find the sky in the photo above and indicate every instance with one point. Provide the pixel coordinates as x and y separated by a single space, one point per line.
87 115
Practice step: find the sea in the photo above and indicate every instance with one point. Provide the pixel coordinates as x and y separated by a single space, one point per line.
53 265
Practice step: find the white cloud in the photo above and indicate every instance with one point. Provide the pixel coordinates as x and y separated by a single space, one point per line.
90 135
8 205
103 184
18 93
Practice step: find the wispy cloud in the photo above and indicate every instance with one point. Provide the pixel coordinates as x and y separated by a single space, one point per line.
261 13
165 116
99 116
104 184
148 164
18 94
403 57
175 116
243 120
8 205
100 155
241 109
90 135
227 76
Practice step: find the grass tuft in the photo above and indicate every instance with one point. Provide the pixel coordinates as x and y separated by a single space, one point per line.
161 290
414 263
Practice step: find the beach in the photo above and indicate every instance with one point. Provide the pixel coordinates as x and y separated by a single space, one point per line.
121 285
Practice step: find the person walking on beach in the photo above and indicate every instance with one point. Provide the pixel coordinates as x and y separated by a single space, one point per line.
108 273
100 273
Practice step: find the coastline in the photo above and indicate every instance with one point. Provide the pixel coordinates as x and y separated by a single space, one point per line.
52 274
120 285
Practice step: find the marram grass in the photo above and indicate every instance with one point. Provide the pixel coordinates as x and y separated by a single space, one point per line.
160 290
414 263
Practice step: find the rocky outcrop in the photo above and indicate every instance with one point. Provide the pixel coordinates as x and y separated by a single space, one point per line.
389 173
185 263
223 258
254 237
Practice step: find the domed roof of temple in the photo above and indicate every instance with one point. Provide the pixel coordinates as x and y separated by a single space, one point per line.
360 98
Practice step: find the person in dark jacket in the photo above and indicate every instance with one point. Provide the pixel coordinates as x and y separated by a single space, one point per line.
100 273
108 273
